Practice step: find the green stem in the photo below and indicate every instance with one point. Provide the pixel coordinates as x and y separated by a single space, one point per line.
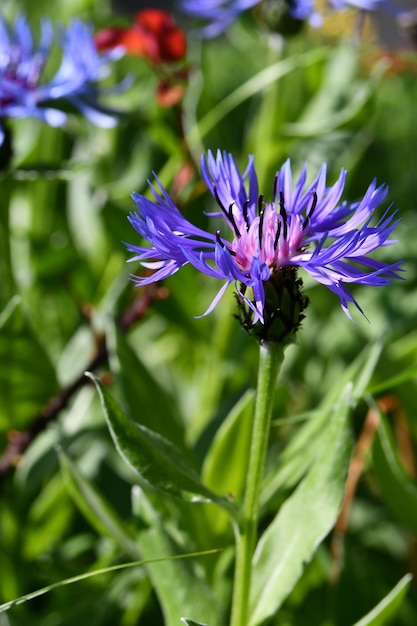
6 273
270 359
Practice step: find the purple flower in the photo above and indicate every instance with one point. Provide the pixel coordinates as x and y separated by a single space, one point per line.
23 92
298 226
220 14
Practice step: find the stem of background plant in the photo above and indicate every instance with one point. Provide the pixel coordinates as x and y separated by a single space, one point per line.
6 273
270 359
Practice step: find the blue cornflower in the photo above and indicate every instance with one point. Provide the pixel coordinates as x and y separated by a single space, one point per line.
299 226
24 93
220 14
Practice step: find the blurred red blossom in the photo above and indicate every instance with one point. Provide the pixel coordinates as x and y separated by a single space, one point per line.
154 35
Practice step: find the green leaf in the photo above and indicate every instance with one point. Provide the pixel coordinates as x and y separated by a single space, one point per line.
6 606
304 520
179 584
96 509
363 368
222 469
302 449
297 457
142 392
338 77
48 519
190 622
159 464
394 381
255 85
84 219
359 372
24 388
398 490
388 607
340 97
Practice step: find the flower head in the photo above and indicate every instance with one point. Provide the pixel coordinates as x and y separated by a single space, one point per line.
154 35
220 14
297 226
24 92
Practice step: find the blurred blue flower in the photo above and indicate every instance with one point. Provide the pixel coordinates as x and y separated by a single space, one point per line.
24 92
220 14
298 227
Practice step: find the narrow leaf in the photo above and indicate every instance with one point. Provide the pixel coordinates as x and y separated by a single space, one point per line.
180 586
6 606
304 520
301 451
297 456
95 508
394 381
159 464
365 367
141 391
190 622
223 468
398 490
388 607
255 85
24 389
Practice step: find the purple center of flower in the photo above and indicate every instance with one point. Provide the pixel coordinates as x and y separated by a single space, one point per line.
17 74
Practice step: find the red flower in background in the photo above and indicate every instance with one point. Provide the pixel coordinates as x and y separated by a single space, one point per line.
154 35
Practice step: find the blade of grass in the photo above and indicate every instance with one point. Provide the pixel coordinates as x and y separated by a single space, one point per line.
6 606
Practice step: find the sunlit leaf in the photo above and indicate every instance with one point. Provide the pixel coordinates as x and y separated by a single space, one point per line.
297 457
158 463
302 449
340 97
222 468
304 519
388 608
253 86
181 587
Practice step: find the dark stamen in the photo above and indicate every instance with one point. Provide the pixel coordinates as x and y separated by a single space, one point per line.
229 213
274 188
313 206
277 234
260 203
283 214
261 225
245 214
218 239
311 211
232 220
219 202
